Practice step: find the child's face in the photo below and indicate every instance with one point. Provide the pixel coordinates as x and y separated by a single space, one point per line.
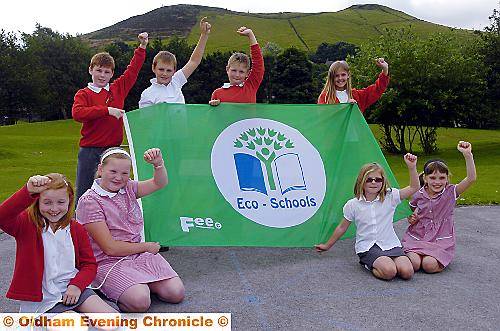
237 73
164 72
436 181
100 75
114 174
341 77
373 183
54 204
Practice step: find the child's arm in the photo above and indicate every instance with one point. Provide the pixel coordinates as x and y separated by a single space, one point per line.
160 177
339 232
82 112
99 231
12 208
128 78
411 163
365 97
196 57
466 149
256 74
87 267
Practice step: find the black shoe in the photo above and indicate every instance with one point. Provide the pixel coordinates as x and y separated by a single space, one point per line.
164 248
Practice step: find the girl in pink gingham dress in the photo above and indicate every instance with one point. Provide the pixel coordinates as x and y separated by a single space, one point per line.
429 241
128 269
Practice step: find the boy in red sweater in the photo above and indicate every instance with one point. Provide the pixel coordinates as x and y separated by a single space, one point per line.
99 107
243 82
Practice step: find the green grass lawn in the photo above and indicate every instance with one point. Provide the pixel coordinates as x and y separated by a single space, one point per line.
40 148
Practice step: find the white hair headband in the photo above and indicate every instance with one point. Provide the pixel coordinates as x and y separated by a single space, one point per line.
114 151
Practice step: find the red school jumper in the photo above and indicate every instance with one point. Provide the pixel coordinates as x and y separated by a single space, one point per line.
100 129
248 92
26 282
365 97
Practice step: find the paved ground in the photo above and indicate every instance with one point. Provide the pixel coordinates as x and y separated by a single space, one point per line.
297 289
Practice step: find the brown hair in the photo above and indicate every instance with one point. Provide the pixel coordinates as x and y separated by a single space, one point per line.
239 58
329 87
104 161
363 174
165 57
102 59
57 181
432 166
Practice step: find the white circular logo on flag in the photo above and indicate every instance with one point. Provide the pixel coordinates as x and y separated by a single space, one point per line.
269 172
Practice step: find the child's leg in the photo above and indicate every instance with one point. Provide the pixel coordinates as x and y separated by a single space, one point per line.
169 290
404 267
431 265
384 268
416 260
88 159
94 304
135 299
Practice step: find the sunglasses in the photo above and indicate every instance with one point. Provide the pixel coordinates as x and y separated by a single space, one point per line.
376 180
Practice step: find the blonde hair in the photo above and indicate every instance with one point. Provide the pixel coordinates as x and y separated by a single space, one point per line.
165 57
363 174
239 58
329 88
57 181
112 153
102 59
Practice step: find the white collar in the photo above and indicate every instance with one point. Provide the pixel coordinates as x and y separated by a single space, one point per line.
102 192
96 89
155 82
363 198
228 85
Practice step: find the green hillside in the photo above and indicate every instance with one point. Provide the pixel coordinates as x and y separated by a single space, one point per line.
355 25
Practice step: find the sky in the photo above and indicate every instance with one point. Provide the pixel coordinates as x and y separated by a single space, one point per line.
90 15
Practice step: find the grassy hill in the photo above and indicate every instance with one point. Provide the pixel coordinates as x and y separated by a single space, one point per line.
355 25
39 148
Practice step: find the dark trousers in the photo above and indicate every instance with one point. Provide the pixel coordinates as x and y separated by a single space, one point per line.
88 159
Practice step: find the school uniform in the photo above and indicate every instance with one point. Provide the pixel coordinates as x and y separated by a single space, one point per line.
170 93
375 235
247 91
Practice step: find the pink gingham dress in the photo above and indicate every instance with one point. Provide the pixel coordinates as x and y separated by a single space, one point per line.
434 233
123 217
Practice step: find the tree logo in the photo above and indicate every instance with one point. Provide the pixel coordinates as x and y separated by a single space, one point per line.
269 172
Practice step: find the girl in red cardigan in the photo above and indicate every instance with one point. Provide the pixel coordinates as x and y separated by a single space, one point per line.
338 88
54 260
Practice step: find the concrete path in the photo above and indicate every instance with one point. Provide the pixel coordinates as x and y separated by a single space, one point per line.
299 289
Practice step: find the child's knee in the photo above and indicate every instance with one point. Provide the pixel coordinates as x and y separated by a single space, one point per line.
384 268
139 303
172 292
415 260
406 271
431 265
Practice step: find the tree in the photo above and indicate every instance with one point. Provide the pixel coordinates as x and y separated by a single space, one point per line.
59 67
292 78
332 52
430 85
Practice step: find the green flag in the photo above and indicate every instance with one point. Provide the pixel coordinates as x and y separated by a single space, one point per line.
251 174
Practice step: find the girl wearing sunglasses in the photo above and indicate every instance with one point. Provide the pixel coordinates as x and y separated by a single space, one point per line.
372 210
429 241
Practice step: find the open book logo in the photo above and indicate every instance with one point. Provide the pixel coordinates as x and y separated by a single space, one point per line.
269 172
267 147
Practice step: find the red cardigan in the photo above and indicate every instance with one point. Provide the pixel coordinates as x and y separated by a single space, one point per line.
26 282
365 97
100 129
247 93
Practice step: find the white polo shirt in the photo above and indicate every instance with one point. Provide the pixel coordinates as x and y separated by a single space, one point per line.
58 269
373 220
170 93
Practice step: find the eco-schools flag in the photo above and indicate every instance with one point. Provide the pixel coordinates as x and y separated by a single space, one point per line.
251 174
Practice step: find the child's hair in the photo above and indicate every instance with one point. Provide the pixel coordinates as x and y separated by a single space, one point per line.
431 166
239 58
330 81
102 59
57 181
112 153
363 174
165 57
